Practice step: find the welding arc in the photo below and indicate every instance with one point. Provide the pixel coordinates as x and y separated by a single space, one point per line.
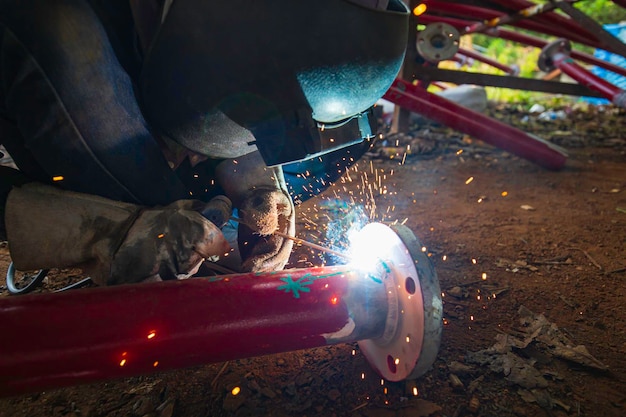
300 241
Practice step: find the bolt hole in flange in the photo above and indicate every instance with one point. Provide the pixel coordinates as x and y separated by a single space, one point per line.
409 285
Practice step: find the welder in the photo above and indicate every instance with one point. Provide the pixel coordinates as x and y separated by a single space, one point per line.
137 126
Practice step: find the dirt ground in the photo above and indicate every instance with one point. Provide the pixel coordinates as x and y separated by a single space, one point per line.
531 262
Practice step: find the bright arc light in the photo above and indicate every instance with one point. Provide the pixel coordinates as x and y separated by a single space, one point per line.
371 244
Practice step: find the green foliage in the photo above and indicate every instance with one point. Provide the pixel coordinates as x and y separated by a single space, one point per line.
602 11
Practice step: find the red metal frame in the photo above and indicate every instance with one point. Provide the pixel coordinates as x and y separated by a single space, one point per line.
476 124
80 336
567 65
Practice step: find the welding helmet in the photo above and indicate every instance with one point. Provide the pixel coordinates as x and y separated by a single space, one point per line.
292 78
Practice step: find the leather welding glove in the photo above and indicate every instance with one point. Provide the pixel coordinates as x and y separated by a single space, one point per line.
114 242
265 207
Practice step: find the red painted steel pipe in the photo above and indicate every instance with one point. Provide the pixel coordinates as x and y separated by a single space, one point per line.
549 18
566 64
88 335
486 60
459 24
540 43
557 55
479 13
476 124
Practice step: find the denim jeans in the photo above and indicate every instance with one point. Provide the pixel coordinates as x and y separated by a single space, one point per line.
67 103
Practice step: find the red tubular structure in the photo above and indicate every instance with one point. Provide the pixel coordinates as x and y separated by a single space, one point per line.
80 336
557 55
486 60
524 39
476 124
478 13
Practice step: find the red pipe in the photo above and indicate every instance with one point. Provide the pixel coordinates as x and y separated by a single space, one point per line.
80 336
485 59
567 65
540 43
478 13
476 124
87 335
549 18
459 24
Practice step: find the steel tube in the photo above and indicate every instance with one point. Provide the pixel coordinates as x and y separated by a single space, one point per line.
459 24
486 60
548 18
567 65
476 124
557 55
483 14
87 335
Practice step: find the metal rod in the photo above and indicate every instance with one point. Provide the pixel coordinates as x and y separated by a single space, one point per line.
548 18
609 42
429 74
87 335
523 38
486 60
507 19
566 64
311 245
478 13
476 124
557 55
300 241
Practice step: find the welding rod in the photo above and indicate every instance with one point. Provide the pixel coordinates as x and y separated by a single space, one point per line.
300 241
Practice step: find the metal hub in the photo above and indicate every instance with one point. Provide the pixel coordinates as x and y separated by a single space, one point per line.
438 42
546 58
409 349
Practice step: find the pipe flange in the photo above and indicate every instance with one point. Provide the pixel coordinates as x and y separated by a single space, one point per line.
546 58
438 42
413 347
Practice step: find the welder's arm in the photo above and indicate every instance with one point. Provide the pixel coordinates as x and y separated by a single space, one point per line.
112 241
265 207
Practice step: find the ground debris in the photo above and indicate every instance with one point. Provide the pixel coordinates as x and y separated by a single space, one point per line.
414 408
539 329
537 335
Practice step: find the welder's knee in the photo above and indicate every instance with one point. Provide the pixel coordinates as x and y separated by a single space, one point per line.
9 178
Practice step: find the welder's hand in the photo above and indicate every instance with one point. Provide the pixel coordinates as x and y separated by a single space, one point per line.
112 241
167 243
263 212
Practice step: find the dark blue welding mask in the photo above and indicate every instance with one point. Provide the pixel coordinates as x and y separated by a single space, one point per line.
291 78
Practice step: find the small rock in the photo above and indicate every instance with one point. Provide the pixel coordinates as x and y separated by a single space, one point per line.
456 383
459 368
527 207
456 292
